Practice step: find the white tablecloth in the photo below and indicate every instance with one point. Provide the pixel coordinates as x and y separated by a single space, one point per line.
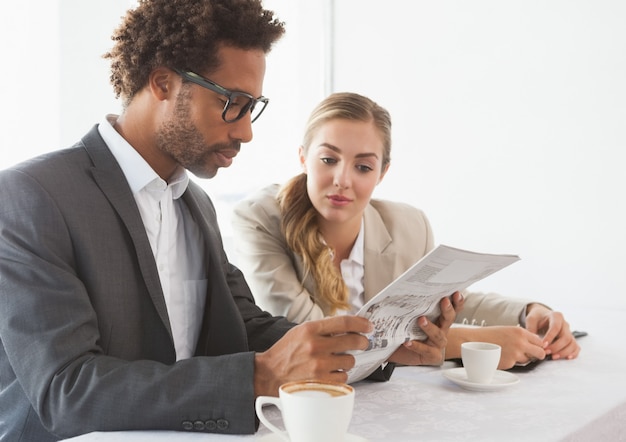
578 400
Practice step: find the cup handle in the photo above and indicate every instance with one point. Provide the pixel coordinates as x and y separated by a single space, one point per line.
269 400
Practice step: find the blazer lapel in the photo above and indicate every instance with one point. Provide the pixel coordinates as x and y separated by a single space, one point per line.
379 256
111 180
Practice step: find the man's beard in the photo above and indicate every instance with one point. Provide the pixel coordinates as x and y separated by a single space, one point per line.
182 141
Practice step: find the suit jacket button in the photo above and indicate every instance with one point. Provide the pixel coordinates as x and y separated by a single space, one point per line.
187 425
198 426
222 424
210 425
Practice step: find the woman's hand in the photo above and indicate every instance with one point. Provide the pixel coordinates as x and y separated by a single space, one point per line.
430 351
558 340
518 344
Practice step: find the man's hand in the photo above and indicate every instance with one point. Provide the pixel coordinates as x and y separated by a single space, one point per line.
311 350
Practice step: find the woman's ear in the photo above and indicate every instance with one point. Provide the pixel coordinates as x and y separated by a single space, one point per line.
302 156
384 172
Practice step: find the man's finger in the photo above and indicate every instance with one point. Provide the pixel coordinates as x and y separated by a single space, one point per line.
342 324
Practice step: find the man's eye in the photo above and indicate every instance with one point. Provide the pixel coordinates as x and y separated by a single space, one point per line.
239 101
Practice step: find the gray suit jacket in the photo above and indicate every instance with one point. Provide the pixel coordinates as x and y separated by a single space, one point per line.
85 337
396 236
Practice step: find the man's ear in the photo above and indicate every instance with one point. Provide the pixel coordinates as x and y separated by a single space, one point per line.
302 156
161 83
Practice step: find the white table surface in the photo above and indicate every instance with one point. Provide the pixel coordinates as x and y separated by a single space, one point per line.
578 400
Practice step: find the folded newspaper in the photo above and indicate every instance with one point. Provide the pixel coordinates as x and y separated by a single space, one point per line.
417 292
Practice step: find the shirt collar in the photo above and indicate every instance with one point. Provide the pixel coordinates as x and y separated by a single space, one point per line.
137 171
356 254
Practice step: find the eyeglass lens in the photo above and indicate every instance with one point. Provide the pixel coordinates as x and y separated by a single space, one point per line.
239 104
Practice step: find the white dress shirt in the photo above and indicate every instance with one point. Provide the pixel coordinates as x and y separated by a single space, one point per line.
174 237
353 272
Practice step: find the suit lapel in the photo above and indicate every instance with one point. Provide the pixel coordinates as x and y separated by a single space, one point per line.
111 180
221 312
221 315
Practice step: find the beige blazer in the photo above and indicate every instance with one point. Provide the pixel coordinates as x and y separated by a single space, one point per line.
396 236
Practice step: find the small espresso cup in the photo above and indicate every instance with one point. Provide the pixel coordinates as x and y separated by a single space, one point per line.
312 411
480 360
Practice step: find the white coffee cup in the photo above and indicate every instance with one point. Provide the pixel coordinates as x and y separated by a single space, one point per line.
312 411
480 360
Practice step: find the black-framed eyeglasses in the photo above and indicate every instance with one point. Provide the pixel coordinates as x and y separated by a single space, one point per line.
237 103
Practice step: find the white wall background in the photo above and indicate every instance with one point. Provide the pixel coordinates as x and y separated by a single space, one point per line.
509 130
508 117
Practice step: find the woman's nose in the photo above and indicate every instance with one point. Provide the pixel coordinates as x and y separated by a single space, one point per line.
342 178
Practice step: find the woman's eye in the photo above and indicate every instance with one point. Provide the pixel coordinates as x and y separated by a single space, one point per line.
329 160
364 168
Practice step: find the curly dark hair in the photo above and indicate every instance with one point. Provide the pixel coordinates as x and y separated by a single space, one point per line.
185 34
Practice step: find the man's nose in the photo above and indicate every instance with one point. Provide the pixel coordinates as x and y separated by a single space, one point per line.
242 129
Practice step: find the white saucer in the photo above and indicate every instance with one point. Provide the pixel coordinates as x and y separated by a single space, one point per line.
500 380
273 437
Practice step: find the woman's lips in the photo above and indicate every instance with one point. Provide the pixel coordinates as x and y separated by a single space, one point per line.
339 200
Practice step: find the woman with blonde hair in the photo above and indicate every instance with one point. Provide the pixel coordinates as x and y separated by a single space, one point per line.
321 246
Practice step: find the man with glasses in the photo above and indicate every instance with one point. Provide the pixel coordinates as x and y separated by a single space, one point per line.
118 307
237 103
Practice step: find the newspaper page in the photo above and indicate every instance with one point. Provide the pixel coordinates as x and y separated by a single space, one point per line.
417 292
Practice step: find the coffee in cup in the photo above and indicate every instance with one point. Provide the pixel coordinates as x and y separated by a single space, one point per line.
312 411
